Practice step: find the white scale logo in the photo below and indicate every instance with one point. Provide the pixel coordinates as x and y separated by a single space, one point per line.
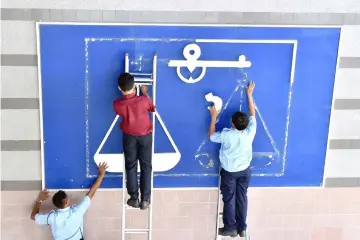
192 53
166 161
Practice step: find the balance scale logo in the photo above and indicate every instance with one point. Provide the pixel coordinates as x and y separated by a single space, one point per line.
167 160
192 54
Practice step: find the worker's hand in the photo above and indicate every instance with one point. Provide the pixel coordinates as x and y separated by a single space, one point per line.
144 89
102 169
43 195
250 88
213 112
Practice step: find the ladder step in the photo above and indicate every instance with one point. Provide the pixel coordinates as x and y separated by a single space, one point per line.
127 207
138 84
134 231
143 79
140 74
220 214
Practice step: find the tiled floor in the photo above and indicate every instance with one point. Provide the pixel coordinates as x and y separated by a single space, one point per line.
279 214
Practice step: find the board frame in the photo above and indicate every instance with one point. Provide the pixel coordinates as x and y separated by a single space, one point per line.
38 24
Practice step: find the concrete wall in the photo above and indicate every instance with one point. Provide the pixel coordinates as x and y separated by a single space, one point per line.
314 213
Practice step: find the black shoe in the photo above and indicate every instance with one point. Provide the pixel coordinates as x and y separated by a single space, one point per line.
144 205
226 233
133 203
242 233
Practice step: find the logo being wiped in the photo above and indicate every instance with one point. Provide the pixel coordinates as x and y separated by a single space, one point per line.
192 53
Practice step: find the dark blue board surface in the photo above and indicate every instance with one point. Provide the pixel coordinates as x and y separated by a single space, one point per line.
80 65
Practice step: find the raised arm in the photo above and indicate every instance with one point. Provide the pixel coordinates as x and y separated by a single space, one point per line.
43 195
97 183
213 113
145 91
249 93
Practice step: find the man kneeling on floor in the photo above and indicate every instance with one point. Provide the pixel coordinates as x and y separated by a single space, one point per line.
67 221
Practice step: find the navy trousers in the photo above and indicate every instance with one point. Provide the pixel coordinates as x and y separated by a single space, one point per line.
138 148
233 188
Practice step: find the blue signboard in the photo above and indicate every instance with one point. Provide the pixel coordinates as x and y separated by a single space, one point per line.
293 69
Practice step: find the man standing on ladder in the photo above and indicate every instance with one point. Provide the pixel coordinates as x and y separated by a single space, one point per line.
137 139
235 158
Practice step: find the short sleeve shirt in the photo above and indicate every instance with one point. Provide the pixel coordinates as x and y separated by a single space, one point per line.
134 112
236 146
67 223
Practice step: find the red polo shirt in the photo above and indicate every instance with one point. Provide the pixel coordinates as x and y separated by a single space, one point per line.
134 111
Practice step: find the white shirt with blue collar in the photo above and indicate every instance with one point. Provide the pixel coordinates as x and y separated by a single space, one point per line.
67 223
236 146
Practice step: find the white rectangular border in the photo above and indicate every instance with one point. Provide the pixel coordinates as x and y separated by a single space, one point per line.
225 41
188 24
42 152
153 24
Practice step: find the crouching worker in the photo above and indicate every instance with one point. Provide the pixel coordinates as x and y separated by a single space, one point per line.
67 221
235 158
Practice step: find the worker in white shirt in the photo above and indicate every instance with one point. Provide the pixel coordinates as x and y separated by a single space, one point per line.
66 221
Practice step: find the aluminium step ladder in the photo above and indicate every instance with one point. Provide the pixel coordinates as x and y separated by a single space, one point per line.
140 79
219 217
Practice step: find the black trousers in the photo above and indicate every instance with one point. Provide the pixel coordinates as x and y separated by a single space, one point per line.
233 188
138 148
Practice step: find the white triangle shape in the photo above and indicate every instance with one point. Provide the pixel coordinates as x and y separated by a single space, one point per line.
161 161
271 155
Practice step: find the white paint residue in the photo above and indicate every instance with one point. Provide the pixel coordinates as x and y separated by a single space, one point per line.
287 127
187 175
87 138
140 40
138 63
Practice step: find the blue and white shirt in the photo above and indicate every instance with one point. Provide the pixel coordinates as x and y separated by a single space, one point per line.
236 146
67 223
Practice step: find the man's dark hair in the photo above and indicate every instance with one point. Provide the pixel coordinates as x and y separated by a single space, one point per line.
240 120
126 82
59 199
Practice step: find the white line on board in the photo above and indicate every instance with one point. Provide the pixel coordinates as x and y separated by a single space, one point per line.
188 25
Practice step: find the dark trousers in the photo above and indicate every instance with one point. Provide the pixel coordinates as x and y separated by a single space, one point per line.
138 148
233 188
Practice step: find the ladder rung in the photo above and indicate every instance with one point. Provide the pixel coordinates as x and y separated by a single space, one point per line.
138 84
220 214
140 74
134 231
143 79
133 208
127 207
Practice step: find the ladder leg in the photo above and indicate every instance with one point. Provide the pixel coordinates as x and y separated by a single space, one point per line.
217 236
124 174
150 213
124 201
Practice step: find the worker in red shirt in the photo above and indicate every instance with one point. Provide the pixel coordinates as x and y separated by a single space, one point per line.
137 138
